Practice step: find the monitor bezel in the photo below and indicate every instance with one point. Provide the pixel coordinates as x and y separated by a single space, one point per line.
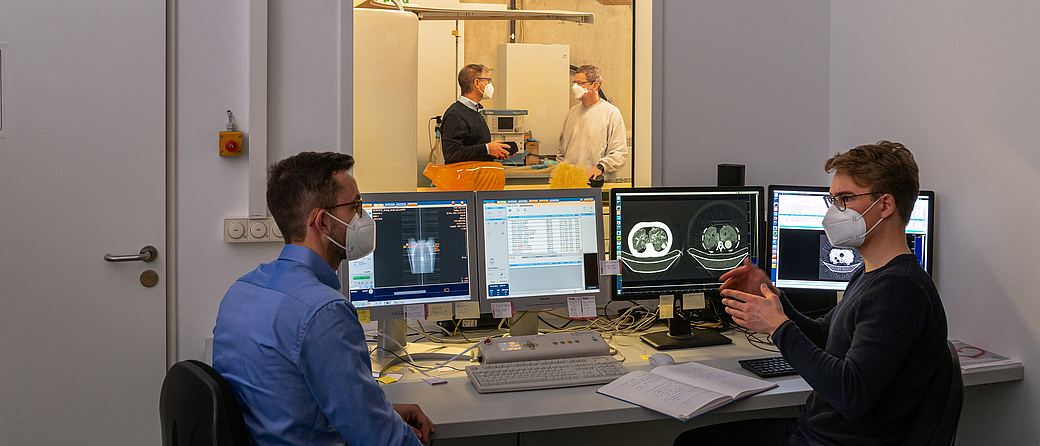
817 301
759 250
546 301
396 311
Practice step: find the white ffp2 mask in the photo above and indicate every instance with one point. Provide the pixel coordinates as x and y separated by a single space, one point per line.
578 90
847 229
360 240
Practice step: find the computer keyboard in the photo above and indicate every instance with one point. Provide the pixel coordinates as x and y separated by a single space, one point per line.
768 367
544 373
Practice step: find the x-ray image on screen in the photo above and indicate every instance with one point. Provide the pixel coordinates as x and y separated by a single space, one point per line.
717 236
419 246
713 233
421 255
649 248
837 263
674 240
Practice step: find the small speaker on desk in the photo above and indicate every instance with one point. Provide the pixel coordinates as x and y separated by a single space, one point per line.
731 175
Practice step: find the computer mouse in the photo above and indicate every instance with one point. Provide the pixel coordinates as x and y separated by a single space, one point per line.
659 359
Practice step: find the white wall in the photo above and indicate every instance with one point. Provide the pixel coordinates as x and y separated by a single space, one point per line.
742 81
304 113
957 82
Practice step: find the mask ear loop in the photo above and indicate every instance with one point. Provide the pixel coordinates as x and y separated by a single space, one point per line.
868 210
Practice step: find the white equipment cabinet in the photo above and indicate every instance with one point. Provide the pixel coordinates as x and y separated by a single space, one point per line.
536 78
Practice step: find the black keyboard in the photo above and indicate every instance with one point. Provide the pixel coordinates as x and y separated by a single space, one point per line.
768 367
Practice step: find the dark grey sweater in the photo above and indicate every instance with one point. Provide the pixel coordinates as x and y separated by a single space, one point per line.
869 359
464 135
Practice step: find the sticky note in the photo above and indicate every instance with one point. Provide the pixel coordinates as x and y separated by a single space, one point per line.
364 316
581 307
467 310
394 368
610 267
692 301
667 307
502 309
588 306
438 312
415 311
387 379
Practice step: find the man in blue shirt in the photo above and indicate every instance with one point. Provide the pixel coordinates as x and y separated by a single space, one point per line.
288 342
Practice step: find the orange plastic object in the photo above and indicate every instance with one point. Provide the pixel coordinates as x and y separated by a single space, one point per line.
468 175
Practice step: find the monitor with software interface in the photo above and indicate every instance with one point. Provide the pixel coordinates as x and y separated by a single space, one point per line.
422 255
802 261
536 248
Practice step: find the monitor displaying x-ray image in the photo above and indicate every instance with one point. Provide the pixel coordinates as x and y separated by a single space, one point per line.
802 260
676 240
422 253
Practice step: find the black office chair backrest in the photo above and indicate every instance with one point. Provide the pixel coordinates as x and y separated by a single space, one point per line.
935 423
198 407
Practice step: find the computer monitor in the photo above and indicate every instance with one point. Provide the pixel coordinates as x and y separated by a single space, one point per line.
679 240
802 261
423 253
537 248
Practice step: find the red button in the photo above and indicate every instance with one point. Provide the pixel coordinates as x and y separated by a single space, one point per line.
230 146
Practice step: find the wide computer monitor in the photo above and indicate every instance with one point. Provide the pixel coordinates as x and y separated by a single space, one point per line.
537 248
423 255
676 241
802 261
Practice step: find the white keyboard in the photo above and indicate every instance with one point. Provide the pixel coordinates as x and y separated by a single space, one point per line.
544 373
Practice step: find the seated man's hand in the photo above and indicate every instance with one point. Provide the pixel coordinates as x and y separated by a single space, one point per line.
414 417
498 150
763 314
747 278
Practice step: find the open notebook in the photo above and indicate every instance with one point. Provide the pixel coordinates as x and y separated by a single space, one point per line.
684 390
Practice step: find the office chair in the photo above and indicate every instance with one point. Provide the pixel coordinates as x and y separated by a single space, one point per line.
935 423
198 407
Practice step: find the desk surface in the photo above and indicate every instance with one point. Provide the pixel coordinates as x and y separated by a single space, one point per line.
458 410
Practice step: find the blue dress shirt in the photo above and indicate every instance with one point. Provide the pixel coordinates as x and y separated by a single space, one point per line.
292 348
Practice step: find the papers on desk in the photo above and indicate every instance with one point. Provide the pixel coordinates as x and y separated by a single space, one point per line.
972 357
684 391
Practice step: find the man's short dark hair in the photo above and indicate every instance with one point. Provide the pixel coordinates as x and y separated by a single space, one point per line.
885 168
300 183
468 74
591 72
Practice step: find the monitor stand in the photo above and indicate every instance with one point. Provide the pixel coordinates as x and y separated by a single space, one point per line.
524 323
397 329
681 335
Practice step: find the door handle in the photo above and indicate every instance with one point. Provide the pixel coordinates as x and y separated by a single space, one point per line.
148 253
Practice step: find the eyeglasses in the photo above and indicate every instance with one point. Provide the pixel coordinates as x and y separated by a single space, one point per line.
582 82
357 206
484 79
842 201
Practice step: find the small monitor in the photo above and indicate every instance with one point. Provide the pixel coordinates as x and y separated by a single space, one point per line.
675 240
802 261
536 248
422 255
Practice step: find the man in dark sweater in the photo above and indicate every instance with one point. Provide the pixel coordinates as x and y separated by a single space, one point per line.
464 134
869 359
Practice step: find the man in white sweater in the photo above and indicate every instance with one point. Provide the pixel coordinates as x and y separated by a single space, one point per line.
593 132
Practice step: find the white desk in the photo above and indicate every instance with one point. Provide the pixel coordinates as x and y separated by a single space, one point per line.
459 411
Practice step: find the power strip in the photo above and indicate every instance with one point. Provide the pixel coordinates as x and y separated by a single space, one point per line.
547 346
